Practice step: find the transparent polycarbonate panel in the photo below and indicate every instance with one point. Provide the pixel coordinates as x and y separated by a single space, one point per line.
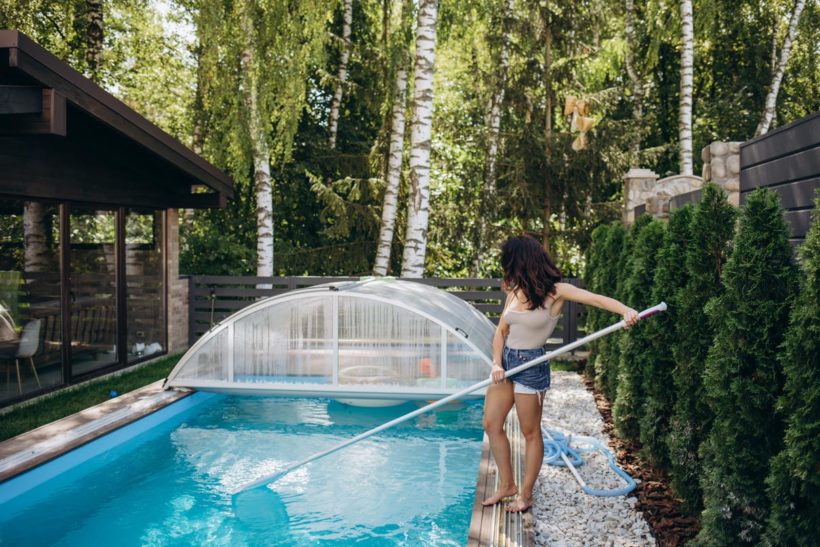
210 361
291 341
437 303
384 344
465 365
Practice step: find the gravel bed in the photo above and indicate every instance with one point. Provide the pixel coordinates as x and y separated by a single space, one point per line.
562 513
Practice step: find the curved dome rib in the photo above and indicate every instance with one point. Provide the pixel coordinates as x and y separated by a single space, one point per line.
376 337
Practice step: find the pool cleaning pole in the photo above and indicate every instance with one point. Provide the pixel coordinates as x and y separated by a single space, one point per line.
551 355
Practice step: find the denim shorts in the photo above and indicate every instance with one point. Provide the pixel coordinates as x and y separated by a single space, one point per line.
537 377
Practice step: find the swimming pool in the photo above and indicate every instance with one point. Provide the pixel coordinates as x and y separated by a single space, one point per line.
170 483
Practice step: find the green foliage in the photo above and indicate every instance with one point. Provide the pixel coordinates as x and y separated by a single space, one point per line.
636 355
662 333
743 377
593 282
794 481
712 228
606 370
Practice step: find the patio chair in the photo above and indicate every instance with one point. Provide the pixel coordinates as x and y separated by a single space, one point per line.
27 347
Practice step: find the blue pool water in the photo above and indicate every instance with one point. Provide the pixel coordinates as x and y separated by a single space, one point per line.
170 485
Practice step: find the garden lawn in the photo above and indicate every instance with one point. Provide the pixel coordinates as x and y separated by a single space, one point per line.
70 401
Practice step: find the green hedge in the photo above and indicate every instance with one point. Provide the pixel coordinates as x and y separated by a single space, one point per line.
593 281
661 333
733 409
794 479
711 229
743 377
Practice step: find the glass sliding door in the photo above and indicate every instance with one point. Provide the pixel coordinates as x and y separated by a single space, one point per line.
144 277
30 312
92 284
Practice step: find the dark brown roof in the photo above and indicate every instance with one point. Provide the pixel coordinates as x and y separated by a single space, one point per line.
134 162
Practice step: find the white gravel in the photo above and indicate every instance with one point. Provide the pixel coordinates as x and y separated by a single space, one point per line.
562 513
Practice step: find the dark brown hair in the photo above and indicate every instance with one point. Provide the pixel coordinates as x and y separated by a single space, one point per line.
529 268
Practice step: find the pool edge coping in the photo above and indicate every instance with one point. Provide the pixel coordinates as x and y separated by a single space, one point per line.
24 447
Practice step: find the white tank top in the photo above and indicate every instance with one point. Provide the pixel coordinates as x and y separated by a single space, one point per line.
529 329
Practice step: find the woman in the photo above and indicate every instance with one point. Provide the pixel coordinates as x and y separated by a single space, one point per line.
535 297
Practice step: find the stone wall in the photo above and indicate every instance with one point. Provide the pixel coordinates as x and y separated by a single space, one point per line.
642 187
177 308
721 165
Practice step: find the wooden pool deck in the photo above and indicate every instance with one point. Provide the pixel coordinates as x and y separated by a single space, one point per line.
28 450
494 526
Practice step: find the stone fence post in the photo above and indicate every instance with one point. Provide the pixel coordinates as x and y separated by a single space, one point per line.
638 186
721 165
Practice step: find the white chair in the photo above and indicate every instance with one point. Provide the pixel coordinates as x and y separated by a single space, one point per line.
29 343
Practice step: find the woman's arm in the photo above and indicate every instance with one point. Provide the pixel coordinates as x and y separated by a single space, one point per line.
572 293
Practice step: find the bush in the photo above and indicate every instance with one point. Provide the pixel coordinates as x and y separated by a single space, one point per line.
592 281
635 345
794 480
743 378
606 374
661 332
711 228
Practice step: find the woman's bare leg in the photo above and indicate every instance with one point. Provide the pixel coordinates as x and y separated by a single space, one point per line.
497 404
528 406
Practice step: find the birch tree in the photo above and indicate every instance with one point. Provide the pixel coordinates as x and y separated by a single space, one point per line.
260 149
630 60
394 162
777 77
415 241
35 245
341 77
686 79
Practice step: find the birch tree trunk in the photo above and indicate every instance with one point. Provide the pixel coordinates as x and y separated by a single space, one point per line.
634 78
260 149
493 132
394 161
686 73
35 247
774 88
342 76
94 37
415 241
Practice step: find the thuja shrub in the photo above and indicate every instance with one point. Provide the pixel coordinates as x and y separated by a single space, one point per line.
711 230
621 273
636 346
661 332
605 373
743 378
593 281
794 479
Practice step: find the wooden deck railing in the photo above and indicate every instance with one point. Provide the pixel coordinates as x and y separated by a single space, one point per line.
212 298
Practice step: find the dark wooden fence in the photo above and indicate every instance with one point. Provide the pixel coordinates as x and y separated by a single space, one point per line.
786 160
212 298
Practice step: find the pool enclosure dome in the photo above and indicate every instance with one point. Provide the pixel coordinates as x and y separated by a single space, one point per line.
376 339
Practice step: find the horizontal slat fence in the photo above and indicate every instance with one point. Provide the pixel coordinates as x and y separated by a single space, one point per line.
787 161
212 298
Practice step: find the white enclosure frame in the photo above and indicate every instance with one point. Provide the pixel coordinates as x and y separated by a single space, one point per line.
475 331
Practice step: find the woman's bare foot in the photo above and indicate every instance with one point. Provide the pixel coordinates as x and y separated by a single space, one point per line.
500 494
520 505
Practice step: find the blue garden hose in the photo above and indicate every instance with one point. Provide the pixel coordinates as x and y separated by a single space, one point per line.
557 451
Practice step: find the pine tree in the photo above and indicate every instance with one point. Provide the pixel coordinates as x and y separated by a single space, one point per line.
592 280
661 332
743 378
711 228
605 374
794 480
635 343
